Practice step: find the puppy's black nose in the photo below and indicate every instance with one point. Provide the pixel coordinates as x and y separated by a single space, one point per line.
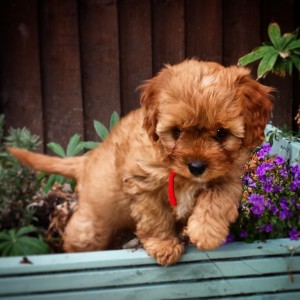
197 168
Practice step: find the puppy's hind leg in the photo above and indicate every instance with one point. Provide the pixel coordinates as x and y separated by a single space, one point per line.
85 233
156 228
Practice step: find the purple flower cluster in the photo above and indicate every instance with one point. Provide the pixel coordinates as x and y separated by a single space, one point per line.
270 206
264 151
258 204
294 234
295 184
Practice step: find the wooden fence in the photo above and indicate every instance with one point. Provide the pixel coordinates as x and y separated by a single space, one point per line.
66 63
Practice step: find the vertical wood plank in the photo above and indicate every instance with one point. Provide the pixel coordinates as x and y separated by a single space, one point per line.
282 13
135 49
180 28
61 70
203 21
168 32
100 62
241 32
20 88
296 76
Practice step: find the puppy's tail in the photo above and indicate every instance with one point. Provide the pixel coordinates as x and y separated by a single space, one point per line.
69 167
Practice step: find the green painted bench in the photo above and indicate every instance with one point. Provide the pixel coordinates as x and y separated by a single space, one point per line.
290 150
235 271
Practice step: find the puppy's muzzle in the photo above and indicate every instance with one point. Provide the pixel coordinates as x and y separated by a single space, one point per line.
197 168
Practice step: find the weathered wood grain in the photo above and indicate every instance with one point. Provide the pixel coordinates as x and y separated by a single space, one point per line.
203 35
234 269
242 23
64 64
278 11
20 80
135 50
61 75
98 27
168 32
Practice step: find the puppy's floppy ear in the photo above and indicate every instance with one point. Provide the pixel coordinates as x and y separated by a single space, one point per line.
256 102
149 103
149 100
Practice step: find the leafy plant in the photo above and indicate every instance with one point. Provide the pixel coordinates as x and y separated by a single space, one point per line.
101 130
18 243
74 147
270 205
282 133
277 56
18 184
22 138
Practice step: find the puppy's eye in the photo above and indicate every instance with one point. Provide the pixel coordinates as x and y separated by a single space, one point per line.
221 133
176 131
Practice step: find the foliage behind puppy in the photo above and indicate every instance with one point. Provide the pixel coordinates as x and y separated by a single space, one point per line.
198 120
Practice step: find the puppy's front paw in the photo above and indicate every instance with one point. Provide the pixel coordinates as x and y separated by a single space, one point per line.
206 237
166 252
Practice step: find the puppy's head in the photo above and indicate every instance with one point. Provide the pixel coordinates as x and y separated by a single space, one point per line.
203 115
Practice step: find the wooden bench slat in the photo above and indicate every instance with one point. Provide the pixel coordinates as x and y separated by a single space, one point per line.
232 270
271 296
201 290
148 275
120 258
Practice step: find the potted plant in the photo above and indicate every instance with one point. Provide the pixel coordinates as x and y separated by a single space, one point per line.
279 56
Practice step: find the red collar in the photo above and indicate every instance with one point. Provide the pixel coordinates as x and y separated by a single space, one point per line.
171 191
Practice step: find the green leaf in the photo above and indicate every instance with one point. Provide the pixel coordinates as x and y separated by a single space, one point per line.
54 178
114 119
101 130
7 250
286 40
72 145
25 230
80 147
293 45
18 244
4 236
12 234
72 184
22 138
17 250
280 67
4 245
31 245
289 67
57 149
60 179
296 61
90 145
256 54
41 176
275 35
50 182
266 65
